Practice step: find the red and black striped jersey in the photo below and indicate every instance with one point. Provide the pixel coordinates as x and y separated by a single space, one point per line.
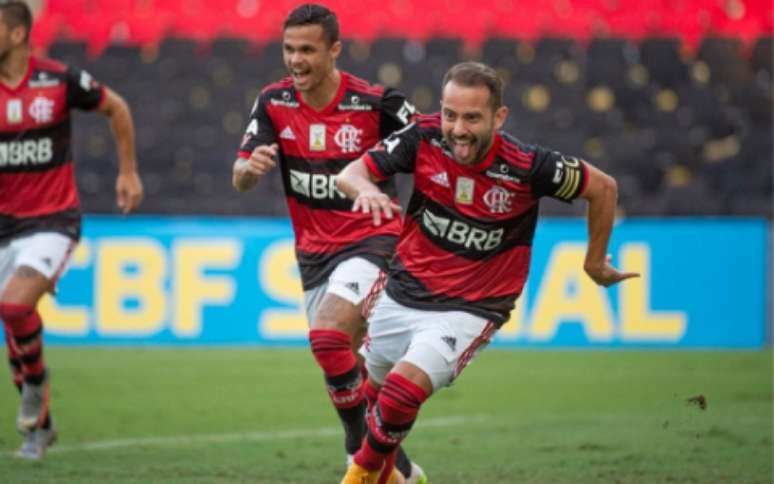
314 146
467 236
37 183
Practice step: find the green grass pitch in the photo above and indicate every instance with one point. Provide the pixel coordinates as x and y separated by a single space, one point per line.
261 415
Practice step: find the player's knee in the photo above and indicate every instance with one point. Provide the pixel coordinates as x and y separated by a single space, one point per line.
11 313
333 351
334 324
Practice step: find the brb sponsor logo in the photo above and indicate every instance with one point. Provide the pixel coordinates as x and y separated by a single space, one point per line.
27 152
460 233
314 185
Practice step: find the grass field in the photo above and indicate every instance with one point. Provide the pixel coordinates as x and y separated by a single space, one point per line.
259 415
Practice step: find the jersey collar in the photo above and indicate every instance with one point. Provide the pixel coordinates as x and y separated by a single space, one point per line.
23 82
331 107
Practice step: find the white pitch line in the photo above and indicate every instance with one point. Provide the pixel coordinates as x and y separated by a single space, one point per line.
242 437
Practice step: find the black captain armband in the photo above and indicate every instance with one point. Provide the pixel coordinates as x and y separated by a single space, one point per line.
559 176
569 176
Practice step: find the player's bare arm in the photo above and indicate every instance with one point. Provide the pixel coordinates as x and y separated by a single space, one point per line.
602 194
247 171
129 190
357 183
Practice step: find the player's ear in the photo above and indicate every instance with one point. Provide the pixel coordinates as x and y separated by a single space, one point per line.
18 35
336 49
500 115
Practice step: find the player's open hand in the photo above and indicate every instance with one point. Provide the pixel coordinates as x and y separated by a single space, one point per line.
261 160
607 275
129 191
377 204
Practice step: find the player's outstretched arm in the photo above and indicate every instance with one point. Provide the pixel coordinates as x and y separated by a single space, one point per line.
129 191
602 194
357 183
247 171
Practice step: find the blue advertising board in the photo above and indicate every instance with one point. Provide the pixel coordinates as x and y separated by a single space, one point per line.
234 281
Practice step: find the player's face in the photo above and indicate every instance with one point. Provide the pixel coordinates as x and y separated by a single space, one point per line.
468 121
9 38
308 56
5 39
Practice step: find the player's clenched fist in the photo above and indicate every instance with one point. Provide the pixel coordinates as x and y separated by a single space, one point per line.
261 160
248 171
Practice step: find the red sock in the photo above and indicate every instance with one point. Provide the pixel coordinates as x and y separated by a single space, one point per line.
333 352
26 327
371 394
390 421
14 359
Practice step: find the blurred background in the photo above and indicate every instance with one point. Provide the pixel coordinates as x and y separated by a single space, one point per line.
674 98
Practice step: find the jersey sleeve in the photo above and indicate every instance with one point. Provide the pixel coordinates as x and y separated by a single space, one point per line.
394 154
556 175
396 113
83 91
260 130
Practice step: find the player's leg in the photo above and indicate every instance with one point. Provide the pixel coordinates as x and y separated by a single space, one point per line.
39 260
7 267
442 344
18 303
337 331
389 336
332 338
14 360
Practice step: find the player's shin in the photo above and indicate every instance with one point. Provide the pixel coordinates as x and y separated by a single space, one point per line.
333 352
14 359
25 325
390 421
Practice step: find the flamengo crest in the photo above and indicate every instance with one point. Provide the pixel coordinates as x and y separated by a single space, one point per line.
42 109
348 138
498 199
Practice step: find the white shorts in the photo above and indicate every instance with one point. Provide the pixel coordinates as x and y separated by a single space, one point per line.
46 252
440 343
351 280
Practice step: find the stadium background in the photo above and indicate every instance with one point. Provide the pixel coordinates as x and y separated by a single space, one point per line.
674 98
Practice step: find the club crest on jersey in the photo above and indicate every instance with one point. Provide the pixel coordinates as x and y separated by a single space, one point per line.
498 199
464 192
13 111
317 137
348 138
42 109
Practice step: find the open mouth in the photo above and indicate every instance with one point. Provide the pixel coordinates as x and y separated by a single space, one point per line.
462 148
300 75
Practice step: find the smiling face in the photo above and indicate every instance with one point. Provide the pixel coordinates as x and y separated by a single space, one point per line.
469 121
309 57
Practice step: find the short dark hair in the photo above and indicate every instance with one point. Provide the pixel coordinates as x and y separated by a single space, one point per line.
17 13
472 74
314 14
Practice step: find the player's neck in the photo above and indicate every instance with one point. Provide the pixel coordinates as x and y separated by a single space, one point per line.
323 94
13 67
